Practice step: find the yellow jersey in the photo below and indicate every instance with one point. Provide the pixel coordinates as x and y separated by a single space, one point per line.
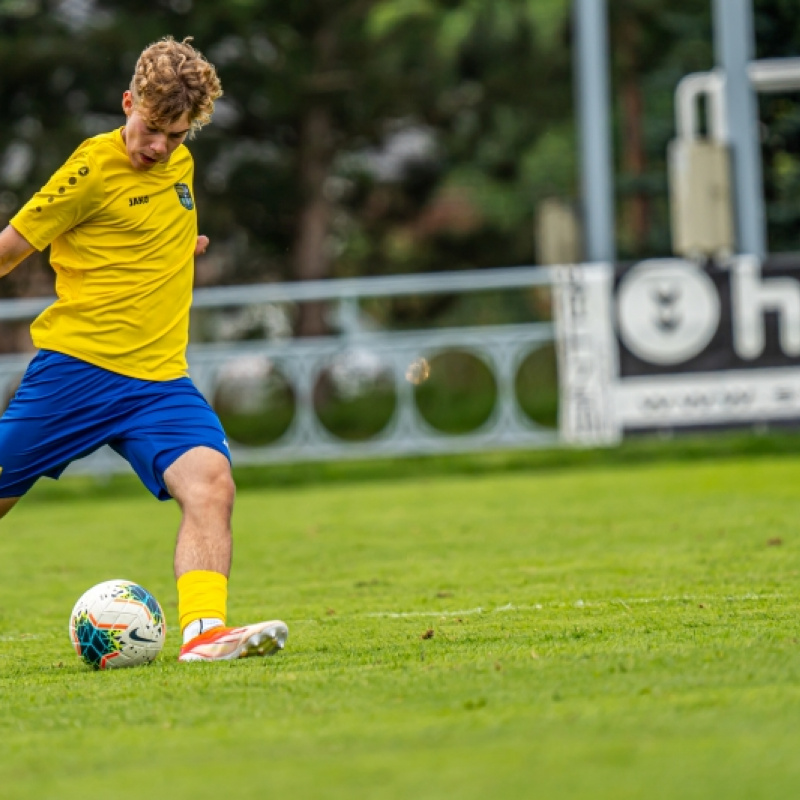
122 247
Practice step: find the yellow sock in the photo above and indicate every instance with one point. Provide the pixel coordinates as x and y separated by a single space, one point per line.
202 595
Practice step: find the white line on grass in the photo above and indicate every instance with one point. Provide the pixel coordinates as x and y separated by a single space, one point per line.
686 598
401 614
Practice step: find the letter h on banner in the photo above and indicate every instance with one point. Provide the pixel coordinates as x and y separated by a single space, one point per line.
751 297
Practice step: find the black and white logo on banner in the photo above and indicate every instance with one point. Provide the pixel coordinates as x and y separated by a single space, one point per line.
667 311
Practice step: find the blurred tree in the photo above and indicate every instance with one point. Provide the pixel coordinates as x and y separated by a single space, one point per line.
354 138
372 137
488 87
653 44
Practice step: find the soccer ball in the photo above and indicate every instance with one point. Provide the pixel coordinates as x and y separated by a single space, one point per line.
117 624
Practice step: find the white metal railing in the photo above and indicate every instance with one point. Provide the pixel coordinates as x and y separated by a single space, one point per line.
340 289
300 363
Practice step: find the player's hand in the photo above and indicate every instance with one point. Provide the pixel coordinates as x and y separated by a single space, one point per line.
202 244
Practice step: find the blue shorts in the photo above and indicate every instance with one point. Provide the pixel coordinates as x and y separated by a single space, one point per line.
65 409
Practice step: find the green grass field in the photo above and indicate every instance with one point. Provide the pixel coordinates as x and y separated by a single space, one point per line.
610 630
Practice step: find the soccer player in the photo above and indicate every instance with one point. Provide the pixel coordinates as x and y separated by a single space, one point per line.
111 367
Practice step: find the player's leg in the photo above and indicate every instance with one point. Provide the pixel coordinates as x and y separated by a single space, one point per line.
176 444
6 504
200 481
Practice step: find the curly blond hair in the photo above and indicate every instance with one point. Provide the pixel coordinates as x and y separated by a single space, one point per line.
172 78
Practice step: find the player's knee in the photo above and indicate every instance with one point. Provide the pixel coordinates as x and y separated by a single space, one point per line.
215 486
224 487
204 484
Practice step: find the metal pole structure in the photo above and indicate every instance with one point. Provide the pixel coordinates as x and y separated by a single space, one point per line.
591 69
734 43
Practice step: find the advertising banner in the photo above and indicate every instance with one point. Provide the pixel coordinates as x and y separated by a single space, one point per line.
669 344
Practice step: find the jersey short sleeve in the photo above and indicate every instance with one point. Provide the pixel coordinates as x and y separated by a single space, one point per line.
71 196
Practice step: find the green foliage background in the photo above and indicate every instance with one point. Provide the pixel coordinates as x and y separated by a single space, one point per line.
319 93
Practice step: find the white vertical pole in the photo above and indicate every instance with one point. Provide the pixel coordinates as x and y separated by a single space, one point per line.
591 69
734 43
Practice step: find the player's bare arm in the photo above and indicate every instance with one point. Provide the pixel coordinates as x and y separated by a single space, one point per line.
14 247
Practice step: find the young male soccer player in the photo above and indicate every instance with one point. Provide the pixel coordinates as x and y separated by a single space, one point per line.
111 368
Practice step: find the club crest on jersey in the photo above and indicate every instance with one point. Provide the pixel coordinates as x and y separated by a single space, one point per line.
185 196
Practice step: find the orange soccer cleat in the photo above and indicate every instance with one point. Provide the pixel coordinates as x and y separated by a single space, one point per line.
227 644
